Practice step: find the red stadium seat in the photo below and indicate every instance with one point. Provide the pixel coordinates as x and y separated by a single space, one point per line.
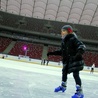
4 42
90 58
54 58
34 50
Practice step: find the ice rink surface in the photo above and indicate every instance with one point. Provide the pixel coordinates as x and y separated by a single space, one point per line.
26 80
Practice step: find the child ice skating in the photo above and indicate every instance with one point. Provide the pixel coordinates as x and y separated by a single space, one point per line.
71 51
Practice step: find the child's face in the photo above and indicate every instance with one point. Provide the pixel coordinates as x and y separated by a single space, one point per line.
63 33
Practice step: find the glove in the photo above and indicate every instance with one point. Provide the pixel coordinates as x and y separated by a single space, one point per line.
49 53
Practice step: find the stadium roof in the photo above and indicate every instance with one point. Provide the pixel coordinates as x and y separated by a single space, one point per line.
71 11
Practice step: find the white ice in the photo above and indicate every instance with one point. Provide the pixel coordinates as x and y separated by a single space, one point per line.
28 80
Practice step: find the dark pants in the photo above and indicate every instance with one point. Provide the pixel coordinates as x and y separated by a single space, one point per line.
75 75
92 70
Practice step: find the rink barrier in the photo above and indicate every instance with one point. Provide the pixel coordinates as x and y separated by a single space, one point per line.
36 61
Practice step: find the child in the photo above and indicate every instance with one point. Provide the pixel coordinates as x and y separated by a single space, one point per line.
71 51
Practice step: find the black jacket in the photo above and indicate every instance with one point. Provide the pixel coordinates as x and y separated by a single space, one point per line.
71 46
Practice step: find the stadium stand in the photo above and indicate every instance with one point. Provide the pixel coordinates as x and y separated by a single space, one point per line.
10 20
34 50
4 42
54 58
90 58
39 25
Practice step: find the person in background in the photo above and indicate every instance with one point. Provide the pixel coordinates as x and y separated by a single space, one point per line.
3 57
44 61
92 68
47 62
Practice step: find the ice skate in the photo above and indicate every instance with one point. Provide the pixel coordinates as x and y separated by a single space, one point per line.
79 93
61 88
